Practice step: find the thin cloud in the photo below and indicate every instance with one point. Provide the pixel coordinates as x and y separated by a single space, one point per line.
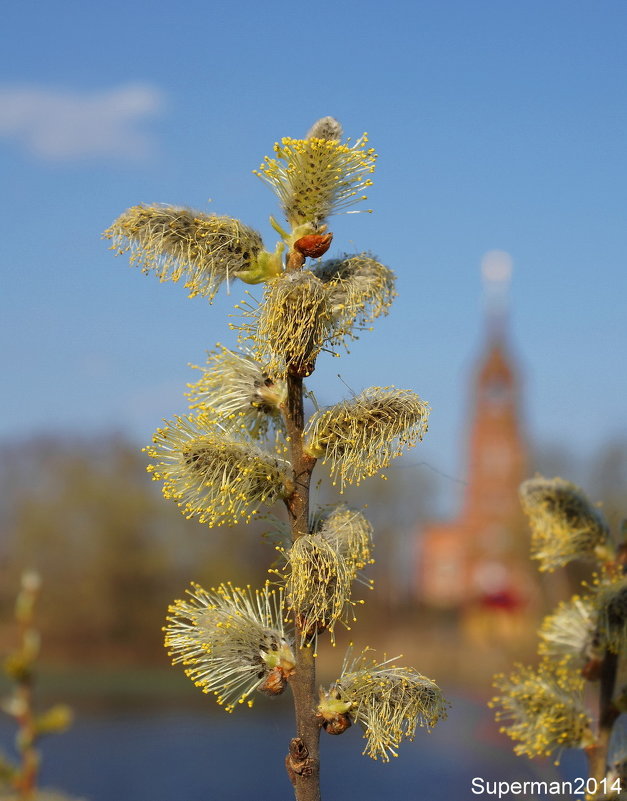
59 125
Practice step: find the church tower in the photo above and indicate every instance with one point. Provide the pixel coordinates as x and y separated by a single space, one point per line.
478 564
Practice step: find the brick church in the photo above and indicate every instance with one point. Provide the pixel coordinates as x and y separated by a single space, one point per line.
477 565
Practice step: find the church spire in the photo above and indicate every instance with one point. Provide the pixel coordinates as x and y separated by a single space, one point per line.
477 562
496 271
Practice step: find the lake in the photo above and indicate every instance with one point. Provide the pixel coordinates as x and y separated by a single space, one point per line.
172 755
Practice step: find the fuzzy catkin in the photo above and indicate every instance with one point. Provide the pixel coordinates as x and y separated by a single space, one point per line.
542 709
319 570
293 324
360 436
316 177
180 243
325 128
318 583
231 641
387 700
350 534
213 476
239 392
565 525
568 634
359 288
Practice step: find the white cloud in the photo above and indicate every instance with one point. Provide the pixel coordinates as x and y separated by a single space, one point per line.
62 125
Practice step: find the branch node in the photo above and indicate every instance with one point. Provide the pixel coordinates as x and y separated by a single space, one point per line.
298 762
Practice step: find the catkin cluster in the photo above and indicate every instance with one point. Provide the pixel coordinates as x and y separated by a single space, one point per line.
307 311
244 445
581 643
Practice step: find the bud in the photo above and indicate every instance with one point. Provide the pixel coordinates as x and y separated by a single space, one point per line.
334 711
313 245
325 128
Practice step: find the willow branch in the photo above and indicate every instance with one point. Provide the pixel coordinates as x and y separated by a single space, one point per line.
598 755
303 760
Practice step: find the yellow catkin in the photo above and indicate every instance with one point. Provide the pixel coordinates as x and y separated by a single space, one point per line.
360 289
568 634
386 700
542 709
360 436
238 390
318 582
316 177
231 641
318 569
179 243
293 323
213 476
564 524
350 533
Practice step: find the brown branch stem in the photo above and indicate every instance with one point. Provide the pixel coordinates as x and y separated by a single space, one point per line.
303 760
598 754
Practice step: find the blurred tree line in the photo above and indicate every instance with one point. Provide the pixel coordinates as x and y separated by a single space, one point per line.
113 553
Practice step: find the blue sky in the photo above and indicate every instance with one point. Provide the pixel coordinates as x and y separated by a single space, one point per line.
499 125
